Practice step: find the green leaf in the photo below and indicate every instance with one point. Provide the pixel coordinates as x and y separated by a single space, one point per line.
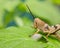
21 7
19 38
8 17
56 2
12 15
8 5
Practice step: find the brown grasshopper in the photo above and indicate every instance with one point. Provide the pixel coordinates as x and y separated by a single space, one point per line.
42 26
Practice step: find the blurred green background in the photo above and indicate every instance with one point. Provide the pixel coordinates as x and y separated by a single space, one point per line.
16 22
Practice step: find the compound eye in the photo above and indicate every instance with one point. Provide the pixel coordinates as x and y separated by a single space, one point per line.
35 24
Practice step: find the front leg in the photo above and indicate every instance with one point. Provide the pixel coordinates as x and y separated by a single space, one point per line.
37 31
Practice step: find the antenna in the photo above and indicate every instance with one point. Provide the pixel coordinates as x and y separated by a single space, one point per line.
30 11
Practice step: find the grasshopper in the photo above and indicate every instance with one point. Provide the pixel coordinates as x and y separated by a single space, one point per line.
42 26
